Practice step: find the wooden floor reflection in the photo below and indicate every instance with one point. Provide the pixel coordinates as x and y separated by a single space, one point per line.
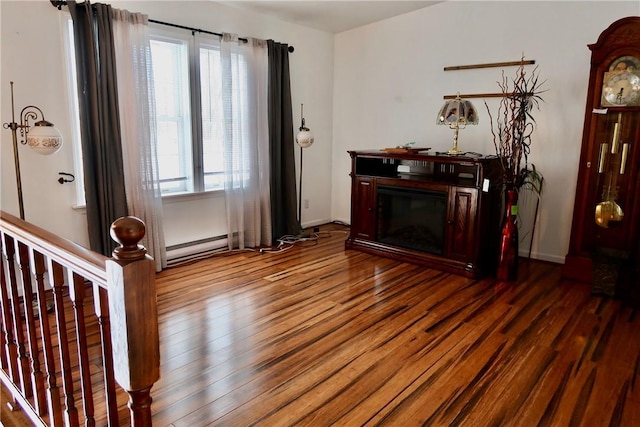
319 336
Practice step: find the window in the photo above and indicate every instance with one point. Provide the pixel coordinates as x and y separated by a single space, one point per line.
188 108
211 113
170 59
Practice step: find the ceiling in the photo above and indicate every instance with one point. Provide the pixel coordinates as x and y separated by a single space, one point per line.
329 15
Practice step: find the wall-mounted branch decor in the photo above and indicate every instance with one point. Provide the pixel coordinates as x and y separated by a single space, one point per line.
489 65
477 95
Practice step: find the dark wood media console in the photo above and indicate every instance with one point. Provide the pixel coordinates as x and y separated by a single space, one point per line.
437 210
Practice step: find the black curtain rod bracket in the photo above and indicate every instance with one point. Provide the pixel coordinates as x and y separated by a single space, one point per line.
59 3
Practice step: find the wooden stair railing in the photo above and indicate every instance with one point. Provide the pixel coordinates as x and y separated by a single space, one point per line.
74 323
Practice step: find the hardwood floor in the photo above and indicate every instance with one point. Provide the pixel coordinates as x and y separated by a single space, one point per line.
10 416
318 336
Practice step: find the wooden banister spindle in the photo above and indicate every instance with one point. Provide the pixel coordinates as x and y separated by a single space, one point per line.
53 392
3 337
3 341
100 297
37 378
23 361
11 347
134 317
77 295
56 277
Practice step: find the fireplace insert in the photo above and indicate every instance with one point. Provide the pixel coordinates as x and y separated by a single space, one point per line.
412 218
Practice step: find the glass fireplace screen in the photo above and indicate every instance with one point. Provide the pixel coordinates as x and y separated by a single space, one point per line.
411 218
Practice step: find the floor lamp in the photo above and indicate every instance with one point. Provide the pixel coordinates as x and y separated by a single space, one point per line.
304 139
42 137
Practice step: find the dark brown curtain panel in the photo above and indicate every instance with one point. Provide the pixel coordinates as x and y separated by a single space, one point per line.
281 144
99 121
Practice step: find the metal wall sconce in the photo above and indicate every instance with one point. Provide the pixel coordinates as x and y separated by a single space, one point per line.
42 137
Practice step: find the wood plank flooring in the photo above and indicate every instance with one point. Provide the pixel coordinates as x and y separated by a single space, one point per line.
320 336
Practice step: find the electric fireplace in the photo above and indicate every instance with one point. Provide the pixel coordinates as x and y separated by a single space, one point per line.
412 218
437 210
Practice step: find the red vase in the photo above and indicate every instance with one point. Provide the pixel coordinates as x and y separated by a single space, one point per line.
508 255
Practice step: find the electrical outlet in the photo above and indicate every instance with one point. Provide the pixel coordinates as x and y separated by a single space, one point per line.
306 203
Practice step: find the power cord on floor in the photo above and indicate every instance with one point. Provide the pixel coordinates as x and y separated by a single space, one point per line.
288 241
284 244
305 238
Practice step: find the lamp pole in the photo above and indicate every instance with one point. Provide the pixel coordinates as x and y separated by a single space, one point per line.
16 158
300 191
304 138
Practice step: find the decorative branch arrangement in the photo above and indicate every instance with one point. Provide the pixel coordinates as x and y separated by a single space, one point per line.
514 126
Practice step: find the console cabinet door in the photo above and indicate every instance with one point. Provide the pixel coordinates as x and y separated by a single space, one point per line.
363 208
461 221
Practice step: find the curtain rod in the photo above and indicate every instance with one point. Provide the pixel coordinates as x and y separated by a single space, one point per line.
169 24
59 3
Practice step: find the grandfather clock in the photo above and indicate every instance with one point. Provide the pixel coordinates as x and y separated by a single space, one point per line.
606 214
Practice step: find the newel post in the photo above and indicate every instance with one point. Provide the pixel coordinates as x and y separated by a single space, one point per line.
134 317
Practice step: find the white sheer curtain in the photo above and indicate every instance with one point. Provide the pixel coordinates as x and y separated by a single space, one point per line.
246 141
136 105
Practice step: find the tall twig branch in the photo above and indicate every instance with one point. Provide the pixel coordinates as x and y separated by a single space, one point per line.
515 123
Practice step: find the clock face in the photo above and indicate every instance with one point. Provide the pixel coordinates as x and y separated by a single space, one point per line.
621 89
621 84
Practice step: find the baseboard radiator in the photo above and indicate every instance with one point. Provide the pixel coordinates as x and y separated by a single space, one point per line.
190 251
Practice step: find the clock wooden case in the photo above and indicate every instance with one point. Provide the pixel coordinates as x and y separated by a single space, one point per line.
606 215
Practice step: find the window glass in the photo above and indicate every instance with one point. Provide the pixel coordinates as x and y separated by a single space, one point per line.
170 59
212 115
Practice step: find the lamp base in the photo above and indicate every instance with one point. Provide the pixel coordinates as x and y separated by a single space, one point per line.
454 148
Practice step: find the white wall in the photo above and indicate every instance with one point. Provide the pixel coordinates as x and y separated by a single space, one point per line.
31 58
389 83
32 52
